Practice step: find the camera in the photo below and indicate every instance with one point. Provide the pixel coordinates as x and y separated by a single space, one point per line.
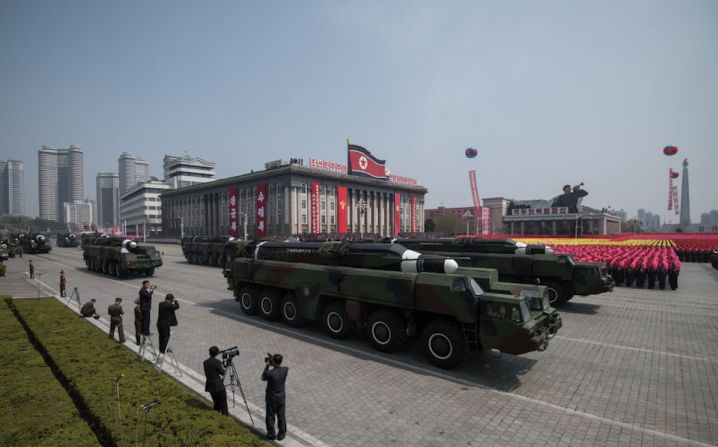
268 358
229 353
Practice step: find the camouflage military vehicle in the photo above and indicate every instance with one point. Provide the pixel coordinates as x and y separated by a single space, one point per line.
66 240
519 263
117 256
207 250
451 312
34 243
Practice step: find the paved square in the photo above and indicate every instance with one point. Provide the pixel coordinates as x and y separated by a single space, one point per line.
633 367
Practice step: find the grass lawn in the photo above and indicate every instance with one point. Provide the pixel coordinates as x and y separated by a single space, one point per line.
90 360
36 410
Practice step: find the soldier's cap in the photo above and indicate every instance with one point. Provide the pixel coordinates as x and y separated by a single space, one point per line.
137 301
62 271
93 299
118 299
566 186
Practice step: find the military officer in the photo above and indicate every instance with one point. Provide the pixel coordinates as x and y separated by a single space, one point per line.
116 312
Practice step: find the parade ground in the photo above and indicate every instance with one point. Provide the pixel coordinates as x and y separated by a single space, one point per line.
631 367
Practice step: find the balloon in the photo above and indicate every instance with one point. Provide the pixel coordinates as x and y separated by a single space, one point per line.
670 150
673 174
471 152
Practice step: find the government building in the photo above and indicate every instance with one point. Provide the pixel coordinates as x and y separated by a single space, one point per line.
291 198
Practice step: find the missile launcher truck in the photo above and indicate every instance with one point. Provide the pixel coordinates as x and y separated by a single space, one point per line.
520 263
207 250
117 256
66 240
34 243
402 296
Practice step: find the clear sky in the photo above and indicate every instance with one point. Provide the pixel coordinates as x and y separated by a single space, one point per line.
550 92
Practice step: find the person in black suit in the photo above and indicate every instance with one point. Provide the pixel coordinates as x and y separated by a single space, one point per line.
214 371
275 396
166 318
146 305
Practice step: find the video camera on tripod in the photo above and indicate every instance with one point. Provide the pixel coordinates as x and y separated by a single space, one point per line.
228 354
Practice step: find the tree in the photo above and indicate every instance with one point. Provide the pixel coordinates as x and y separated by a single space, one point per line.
429 226
448 223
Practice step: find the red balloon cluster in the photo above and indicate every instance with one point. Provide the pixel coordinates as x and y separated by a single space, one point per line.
673 174
646 266
670 150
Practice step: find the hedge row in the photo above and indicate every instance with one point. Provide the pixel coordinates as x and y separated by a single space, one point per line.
90 361
36 409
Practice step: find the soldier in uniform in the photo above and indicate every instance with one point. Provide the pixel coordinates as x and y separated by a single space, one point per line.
31 268
63 284
116 312
88 309
138 321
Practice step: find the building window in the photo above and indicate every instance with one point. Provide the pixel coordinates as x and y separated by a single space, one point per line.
304 219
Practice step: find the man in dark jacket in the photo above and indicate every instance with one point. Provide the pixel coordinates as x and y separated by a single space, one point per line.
166 318
214 372
275 396
146 305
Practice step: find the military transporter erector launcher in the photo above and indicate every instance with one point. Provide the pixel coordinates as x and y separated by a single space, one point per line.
34 243
520 263
402 295
66 240
118 256
206 250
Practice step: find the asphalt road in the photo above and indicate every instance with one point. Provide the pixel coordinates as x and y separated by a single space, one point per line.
633 367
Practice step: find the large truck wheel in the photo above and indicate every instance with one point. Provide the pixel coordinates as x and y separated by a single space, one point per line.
113 268
106 267
444 344
269 304
150 271
557 294
289 311
249 300
386 330
121 271
336 321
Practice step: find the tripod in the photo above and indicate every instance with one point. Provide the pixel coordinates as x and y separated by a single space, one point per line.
76 295
146 340
173 361
235 382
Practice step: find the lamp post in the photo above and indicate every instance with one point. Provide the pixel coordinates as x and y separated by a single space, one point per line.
468 216
245 223
362 211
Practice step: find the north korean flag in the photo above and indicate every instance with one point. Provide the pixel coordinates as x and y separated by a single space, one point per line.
364 164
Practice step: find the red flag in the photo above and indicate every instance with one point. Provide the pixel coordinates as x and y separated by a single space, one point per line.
364 164
397 213
315 208
233 217
413 213
342 209
261 211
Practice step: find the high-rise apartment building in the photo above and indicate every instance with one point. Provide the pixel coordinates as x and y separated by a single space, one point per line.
61 179
79 213
181 171
132 170
12 187
685 221
108 199
141 208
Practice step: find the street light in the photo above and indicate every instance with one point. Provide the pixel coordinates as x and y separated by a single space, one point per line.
468 216
362 211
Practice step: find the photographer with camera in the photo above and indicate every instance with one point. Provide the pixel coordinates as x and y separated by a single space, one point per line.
275 396
214 371
146 305
166 318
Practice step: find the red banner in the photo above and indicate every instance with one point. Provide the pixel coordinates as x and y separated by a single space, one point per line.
397 213
342 207
261 211
413 213
363 163
233 216
315 208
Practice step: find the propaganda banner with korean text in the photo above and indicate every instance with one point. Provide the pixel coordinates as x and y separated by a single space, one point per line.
261 211
342 209
315 208
233 215
362 163
397 213
413 213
